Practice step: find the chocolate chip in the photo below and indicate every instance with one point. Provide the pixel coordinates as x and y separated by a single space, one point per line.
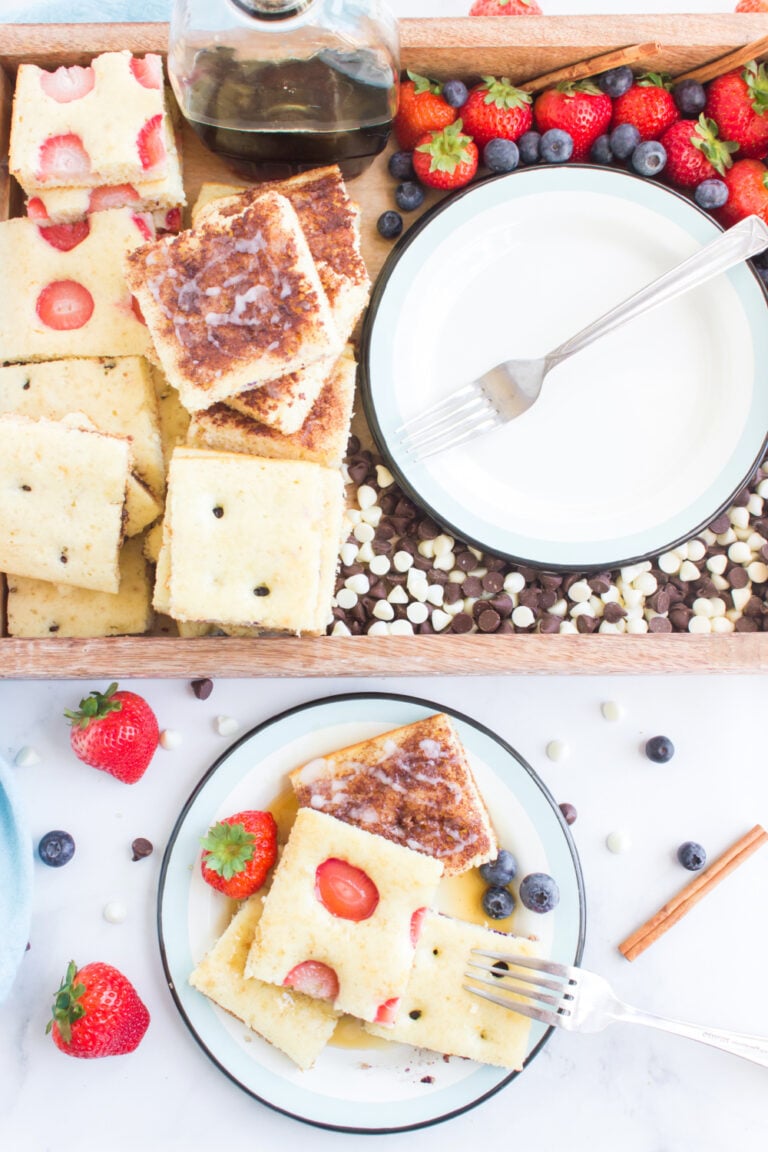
202 688
547 599
462 622
549 623
753 607
613 612
550 581
64 558
218 511
427 530
721 524
488 620
586 623
353 445
437 576
358 472
379 590
502 604
738 577
747 624
600 583
466 561
659 624
493 582
382 547
141 847
261 590
451 593
530 598
679 616
472 586
569 812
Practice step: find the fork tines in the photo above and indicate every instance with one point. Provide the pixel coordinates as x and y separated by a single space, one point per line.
464 414
524 984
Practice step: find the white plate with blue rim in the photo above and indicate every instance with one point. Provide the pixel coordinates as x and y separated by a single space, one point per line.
635 443
16 864
387 1087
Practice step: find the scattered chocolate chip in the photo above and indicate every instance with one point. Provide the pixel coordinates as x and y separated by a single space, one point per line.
493 582
488 620
587 624
202 688
427 530
613 612
738 577
466 561
549 623
659 624
141 847
261 590
569 812
472 586
462 622
218 511
427 1080
721 524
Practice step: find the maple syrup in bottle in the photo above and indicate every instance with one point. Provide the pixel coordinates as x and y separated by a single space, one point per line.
279 86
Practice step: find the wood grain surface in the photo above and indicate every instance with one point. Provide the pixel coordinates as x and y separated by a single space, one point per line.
523 50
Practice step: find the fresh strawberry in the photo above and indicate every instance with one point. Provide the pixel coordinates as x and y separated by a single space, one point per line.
68 84
420 109
386 1013
97 1012
580 109
145 225
505 8
738 103
150 143
36 209
111 196
64 305
65 237
747 183
238 853
694 152
446 159
63 158
345 891
648 104
313 979
116 732
148 70
496 110
417 923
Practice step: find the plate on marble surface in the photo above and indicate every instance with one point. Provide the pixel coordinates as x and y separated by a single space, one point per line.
636 442
16 864
356 1089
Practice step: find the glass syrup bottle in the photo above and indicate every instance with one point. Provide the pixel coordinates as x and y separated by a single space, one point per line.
280 86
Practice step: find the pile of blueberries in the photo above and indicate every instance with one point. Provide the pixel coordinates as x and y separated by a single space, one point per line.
538 891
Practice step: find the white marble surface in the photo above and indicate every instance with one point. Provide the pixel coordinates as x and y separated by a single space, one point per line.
627 1088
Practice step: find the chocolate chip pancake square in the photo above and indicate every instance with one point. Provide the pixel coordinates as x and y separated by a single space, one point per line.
252 541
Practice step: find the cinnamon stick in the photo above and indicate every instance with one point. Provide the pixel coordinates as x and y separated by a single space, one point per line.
727 63
594 66
687 897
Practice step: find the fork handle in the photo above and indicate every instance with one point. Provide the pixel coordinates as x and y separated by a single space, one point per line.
754 1048
743 240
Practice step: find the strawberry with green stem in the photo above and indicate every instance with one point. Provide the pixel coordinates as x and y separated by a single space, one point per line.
97 1012
747 183
447 159
581 109
238 853
496 110
738 103
115 731
648 104
421 108
695 152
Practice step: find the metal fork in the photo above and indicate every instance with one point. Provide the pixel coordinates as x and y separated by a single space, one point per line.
509 389
580 1001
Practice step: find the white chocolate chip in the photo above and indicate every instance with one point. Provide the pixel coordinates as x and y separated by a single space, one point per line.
398 595
454 609
378 628
363 532
435 594
457 577
475 552
352 516
755 504
115 912
670 563
365 554
697 550
720 582
612 710
170 738
762 489
348 553
739 552
607 627
383 610
699 624
380 565
618 842
557 750
340 629
646 583
383 476
708 536
346 598
26 757
583 609
358 583
702 606
371 515
417 613
401 628
717 564
226 725
440 620
718 605
443 544
689 571
637 627
739 516
568 628
580 591
427 548
445 562
402 561
755 541
758 572
632 571
514 582
523 617
559 608
726 538
633 597
366 496
741 597
722 624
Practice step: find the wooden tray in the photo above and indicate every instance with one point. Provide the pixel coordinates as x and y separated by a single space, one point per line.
522 50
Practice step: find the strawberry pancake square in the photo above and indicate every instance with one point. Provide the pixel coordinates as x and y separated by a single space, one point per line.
82 127
64 292
342 917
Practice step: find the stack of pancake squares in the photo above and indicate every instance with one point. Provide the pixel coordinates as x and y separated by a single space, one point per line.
207 375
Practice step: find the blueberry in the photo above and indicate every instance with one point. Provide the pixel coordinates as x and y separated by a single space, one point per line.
401 166
711 194
390 224
455 93
556 146
56 849
498 903
569 812
660 749
539 892
692 856
617 81
501 870
409 196
600 152
690 98
529 147
624 139
501 155
649 158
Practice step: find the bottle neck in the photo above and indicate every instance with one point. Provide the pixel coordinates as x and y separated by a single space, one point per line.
273 9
